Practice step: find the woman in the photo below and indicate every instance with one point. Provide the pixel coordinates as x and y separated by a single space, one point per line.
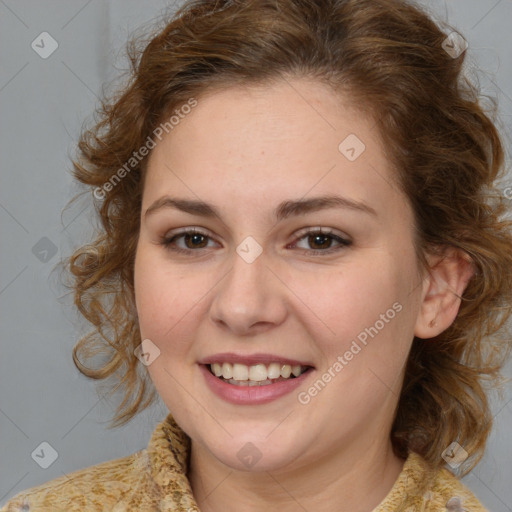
302 244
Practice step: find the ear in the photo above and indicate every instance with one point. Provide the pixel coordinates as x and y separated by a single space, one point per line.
443 287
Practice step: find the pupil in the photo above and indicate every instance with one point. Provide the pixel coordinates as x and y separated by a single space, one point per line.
196 237
320 237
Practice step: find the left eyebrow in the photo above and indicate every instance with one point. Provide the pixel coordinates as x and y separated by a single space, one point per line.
304 206
284 210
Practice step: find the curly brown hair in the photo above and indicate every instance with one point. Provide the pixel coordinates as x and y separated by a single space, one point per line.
389 57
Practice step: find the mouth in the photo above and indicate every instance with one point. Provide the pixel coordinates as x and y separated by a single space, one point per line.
259 374
253 379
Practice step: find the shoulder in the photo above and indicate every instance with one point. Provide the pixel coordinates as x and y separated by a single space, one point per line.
439 491
99 487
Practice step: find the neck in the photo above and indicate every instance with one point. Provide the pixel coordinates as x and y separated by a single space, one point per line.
356 481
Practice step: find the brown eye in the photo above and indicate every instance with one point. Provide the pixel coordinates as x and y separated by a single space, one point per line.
320 241
195 240
192 240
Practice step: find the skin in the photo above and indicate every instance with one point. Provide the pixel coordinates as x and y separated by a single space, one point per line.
245 150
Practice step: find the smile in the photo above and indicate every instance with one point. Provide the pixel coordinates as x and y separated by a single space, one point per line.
253 380
256 375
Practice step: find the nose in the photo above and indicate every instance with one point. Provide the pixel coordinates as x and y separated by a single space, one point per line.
250 299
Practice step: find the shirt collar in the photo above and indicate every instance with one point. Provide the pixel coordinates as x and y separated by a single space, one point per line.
169 450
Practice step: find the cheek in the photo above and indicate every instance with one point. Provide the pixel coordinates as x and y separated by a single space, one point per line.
352 299
159 296
170 302
366 317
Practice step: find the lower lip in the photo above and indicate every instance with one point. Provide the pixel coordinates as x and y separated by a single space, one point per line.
251 395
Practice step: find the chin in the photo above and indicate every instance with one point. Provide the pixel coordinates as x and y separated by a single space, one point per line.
257 454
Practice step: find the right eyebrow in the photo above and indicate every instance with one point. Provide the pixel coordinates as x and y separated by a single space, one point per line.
284 210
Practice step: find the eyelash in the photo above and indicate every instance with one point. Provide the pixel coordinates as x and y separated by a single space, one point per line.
168 242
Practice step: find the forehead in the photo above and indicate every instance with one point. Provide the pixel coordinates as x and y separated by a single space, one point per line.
285 140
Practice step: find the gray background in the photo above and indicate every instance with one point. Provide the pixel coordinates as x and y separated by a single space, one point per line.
43 103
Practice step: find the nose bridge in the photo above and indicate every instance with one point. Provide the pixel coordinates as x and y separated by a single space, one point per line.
249 294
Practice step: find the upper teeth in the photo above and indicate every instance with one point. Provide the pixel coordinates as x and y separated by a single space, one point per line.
257 372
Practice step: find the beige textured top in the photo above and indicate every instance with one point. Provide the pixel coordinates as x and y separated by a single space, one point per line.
154 479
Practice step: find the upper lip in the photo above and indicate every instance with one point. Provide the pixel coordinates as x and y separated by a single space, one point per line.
251 359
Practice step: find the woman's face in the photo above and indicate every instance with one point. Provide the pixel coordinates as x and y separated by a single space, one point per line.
254 293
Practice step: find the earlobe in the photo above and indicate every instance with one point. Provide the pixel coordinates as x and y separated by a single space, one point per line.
444 285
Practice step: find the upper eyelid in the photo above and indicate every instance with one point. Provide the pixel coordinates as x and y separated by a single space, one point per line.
320 229
297 236
303 231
